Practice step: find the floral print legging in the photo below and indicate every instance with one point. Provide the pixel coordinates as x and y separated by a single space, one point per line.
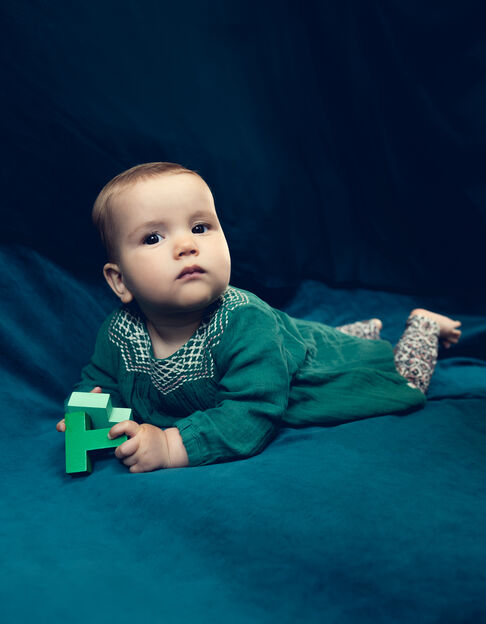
415 352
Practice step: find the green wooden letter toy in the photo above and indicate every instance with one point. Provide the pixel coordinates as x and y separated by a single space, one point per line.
80 439
98 407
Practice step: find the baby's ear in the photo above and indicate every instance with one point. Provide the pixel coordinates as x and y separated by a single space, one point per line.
114 277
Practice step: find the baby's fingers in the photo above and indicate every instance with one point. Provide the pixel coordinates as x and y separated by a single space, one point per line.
128 448
61 426
127 427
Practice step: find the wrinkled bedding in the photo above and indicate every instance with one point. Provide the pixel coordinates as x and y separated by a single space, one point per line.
380 520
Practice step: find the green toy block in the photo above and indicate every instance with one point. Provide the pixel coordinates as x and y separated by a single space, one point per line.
118 414
80 439
98 407
96 404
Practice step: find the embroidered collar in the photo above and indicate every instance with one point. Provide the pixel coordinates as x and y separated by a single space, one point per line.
194 360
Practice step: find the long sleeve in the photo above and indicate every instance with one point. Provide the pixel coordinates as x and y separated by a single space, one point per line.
102 369
252 393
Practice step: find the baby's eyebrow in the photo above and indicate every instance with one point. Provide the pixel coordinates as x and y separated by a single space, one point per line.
149 225
202 214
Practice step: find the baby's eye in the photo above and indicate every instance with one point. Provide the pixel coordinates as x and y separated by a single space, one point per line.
200 228
152 239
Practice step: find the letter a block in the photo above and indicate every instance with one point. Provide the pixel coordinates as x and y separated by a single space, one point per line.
80 439
98 407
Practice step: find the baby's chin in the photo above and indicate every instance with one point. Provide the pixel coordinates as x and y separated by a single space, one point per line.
208 300
197 298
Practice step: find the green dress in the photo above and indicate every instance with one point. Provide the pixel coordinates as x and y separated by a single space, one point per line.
246 371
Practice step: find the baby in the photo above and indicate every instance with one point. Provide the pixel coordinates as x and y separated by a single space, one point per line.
211 371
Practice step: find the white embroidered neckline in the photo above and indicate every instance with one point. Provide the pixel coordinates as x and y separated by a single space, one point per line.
194 360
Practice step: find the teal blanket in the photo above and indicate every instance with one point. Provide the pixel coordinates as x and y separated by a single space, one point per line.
374 521
345 144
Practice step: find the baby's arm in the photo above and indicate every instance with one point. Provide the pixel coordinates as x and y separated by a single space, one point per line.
100 374
252 393
251 397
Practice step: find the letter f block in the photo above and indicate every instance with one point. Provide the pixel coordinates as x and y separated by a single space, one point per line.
80 439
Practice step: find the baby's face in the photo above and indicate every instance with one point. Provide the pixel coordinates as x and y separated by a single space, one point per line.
164 226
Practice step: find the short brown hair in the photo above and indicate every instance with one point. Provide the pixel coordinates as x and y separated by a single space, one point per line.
101 208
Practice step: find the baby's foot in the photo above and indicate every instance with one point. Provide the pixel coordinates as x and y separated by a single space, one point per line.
369 329
378 324
448 333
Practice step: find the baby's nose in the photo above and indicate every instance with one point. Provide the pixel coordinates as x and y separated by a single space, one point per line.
186 252
186 247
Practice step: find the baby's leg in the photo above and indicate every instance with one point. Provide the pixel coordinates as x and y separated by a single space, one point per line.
363 329
416 351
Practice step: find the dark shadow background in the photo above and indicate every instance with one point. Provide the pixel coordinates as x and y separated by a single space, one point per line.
343 140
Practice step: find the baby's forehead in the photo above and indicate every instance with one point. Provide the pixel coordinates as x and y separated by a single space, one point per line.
164 191
171 184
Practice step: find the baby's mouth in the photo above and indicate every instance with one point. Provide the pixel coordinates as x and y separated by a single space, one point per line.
190 271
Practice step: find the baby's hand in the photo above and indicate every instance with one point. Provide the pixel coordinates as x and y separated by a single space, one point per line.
147 448
61 425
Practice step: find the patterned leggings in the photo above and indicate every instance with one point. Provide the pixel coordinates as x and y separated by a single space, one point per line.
415 352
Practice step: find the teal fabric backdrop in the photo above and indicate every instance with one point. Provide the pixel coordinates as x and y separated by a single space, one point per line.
344 144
